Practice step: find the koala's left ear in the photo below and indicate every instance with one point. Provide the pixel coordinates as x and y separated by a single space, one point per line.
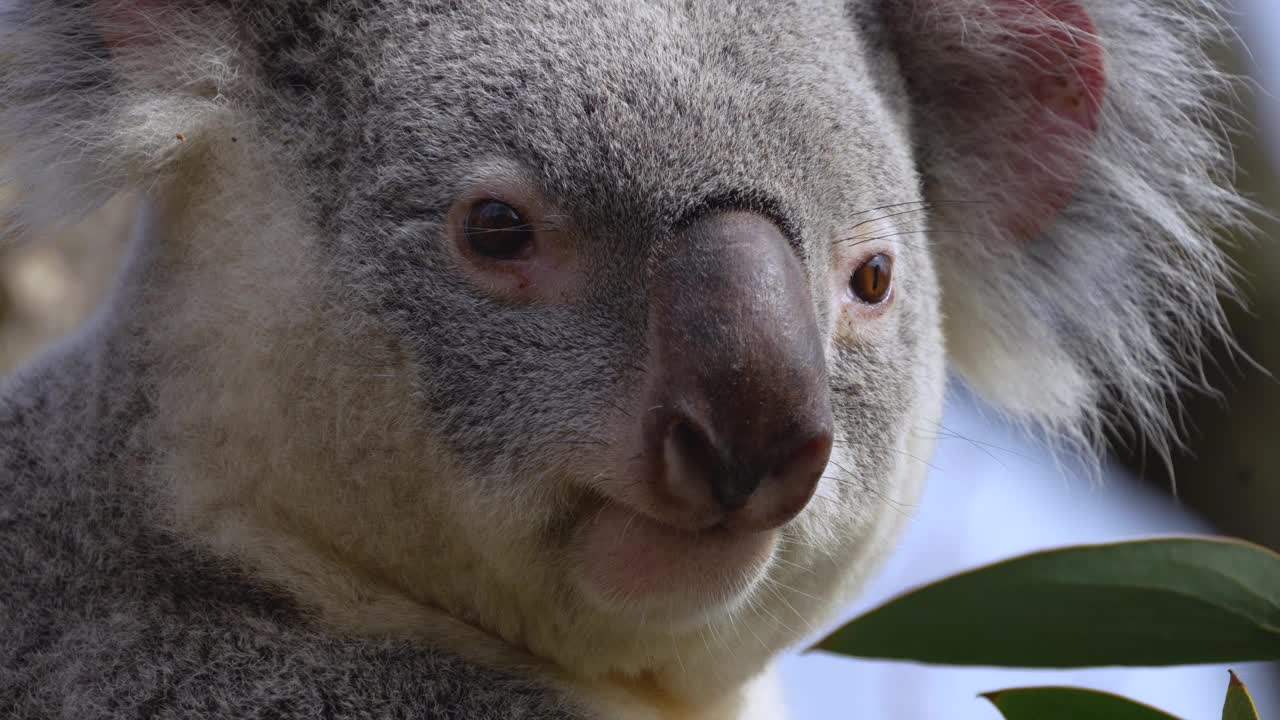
1075 172
103 96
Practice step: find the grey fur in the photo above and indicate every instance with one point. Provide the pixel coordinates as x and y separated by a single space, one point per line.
132 457
105 615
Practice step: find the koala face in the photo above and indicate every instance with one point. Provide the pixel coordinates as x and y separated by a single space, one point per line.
664 302
614 328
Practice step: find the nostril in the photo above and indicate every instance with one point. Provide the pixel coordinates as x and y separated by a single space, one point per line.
691 457
696 465
697 462
689 442
760 491
784 492
733 490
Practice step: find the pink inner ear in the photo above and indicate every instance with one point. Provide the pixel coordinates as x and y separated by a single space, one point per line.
1012 94
1062 62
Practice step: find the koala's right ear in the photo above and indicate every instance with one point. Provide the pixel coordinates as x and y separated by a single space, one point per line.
1076 174
101 96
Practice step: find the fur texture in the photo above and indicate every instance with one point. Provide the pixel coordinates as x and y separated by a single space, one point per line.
301 431
1124 326
106 617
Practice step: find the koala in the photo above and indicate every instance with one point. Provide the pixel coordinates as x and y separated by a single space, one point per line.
560 358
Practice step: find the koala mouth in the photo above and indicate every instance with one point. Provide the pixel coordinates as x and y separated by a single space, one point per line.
629 562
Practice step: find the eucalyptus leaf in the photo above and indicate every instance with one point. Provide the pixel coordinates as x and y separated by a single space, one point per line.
1175 601
1239 705
1064 703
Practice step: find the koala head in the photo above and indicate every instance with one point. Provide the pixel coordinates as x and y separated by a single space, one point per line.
617 329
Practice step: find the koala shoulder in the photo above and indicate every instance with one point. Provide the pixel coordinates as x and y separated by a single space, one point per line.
107 615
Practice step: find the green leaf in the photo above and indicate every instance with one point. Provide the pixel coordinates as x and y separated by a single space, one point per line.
1239 705
1177 601
1064 703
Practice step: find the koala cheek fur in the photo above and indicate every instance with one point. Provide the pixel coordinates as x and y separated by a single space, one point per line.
558 359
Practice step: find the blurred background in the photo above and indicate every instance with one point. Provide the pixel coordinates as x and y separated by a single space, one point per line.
992 493
1229 471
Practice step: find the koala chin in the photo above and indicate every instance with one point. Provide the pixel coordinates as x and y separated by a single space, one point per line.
555 358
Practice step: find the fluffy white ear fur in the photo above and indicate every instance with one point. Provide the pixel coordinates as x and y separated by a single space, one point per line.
78 127
1078 173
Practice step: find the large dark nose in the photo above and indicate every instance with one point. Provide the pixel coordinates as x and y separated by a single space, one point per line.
739 421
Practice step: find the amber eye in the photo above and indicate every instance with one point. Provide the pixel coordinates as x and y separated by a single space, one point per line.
872 281
496 230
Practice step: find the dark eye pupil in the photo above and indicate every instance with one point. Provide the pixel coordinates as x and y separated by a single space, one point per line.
871 281
497 230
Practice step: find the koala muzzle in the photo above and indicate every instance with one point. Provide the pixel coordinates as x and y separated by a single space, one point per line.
738 427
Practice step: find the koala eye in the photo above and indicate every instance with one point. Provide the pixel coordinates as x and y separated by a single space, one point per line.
495 230
872 280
